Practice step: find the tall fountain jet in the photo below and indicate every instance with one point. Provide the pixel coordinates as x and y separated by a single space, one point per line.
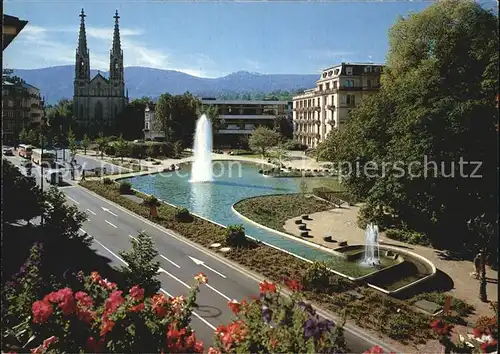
201 170
372 248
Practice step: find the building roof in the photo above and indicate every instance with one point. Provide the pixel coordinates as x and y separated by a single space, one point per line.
11 28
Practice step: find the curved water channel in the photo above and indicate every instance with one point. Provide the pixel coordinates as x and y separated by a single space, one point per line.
233 181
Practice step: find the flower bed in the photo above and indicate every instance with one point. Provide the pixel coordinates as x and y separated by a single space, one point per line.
376 311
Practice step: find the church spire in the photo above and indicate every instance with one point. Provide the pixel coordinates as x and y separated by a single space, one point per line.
82 38
117 50
82 57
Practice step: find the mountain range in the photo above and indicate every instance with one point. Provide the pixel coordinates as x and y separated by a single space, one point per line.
57 82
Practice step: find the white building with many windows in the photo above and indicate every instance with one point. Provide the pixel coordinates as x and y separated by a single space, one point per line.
338 91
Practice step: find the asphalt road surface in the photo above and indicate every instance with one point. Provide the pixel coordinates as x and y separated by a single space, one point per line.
113 227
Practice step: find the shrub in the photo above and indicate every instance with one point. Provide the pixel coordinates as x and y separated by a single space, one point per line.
110 150
107 181
462 308
408 236
317 277
142 268
235 235
125 188
294 145
151 201
183 215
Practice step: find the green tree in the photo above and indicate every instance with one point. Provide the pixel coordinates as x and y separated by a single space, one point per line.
85 143
184 115
262 139
283 126
22 199
102 142
436 102
130 122
163 112
61 218
72 144
141 265
212 113
122 147
178 149
282 154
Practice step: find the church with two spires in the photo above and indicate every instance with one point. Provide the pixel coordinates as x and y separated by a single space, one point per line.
99 100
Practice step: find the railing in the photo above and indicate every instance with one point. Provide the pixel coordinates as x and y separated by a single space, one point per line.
331 107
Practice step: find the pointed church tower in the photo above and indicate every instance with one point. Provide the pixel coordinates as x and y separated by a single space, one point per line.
82 58
116 76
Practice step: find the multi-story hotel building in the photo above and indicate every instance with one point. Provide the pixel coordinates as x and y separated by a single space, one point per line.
22 107
239 118
327 106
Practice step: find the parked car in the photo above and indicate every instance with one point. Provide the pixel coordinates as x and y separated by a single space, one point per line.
26 164
7 152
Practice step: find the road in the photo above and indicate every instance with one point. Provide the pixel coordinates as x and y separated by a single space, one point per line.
113 227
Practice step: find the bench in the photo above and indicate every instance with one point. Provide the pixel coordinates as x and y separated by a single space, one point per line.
302 227
304 234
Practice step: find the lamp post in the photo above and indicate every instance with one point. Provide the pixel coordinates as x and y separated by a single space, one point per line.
485 230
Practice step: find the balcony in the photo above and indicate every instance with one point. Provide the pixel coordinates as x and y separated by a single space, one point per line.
344 88
317 108
246 116
235 131
371 88
331 107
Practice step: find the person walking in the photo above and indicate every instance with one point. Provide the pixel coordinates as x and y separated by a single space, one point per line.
477 264
83 175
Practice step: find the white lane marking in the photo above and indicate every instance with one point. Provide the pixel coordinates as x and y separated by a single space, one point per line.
109 211
132 237
194 313
198 262
174 277
90 211
111 224
218 292
74 201
168 260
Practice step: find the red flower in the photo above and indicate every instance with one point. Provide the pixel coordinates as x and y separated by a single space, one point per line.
137 308
95 277
235 332
234 306
488 347
107 326
49 341
114 300
137 293
173 333
266 287
94 345
198 347
441 328
105 283
41 311
83 299
85 315
213 350
67 303
477 333
293 284
375 350
158 302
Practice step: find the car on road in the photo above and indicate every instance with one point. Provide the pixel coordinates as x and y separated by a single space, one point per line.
54 177
26 164
7 152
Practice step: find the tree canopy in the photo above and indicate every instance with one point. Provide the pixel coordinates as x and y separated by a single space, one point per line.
262 139
436 107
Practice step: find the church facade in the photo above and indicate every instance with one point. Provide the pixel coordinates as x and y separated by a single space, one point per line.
99 100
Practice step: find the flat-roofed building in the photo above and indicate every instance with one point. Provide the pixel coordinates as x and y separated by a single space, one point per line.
240 117
338 91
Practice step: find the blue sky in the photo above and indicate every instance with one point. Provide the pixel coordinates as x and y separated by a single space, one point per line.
208 39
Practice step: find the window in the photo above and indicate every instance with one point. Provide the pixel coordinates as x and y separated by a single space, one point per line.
350 99
330 73
335 84
368 69
377 69
343 99
349 83
369 83
336 71
348 70
147 125
320 87
327 86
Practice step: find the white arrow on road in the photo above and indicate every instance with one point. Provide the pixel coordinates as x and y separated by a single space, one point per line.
109 211
198 262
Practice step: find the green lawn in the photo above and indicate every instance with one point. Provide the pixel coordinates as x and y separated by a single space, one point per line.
273 210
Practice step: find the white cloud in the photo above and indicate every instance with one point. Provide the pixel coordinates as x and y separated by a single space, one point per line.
41 47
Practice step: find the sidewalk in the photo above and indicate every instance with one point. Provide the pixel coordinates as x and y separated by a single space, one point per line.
341 224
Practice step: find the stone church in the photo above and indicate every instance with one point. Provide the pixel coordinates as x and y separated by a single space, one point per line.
97 101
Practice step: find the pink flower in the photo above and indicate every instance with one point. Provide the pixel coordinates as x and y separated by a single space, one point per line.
213 350
137 293
83 299
49 341
41 311
114 301
137 308
106 326
201 278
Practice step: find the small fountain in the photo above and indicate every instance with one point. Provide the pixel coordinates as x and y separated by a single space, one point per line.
201 171
372 248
